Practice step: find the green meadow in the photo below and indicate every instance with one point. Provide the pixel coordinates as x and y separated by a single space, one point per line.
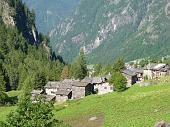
136 107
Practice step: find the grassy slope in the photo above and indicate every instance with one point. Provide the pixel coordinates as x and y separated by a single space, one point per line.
4 111
137 107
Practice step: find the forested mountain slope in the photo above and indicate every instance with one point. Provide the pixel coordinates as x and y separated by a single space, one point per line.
108 29
16 14
50 12
23 52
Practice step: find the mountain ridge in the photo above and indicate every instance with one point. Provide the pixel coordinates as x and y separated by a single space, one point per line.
115 28
49 15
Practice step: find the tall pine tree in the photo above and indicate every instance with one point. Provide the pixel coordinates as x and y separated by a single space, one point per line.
65 73
81 66
2 83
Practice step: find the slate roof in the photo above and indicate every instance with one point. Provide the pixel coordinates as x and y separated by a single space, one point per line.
65 84
62 92
87 80
157 67
136 70
67 81
150 66
129 72
45 97
52 85
37 92
49 97
97 80
80 84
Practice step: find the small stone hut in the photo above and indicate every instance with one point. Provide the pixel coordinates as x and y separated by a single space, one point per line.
101 85
153 71
81 89
63 95
130 76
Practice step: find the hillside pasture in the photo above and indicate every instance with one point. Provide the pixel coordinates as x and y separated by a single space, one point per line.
136 107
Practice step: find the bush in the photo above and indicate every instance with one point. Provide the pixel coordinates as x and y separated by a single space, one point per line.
119 81
28 114
3 98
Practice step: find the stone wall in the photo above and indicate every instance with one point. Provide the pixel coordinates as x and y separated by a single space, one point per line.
103 88
78 92
148 74
61 98
49 91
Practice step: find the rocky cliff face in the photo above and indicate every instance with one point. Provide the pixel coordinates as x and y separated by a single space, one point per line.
14 13
7 13
108 29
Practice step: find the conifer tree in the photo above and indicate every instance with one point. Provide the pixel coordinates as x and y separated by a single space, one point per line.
39 80
80 66
97 69
118 65
2 83
65 73
119 81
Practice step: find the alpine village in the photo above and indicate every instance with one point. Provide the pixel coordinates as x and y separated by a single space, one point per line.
84 63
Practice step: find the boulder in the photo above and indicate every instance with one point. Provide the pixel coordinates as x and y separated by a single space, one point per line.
160 124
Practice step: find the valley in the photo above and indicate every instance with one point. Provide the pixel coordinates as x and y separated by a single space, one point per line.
130 29
84 63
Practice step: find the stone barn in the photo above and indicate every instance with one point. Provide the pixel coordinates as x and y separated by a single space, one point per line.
52 87
139 73
130 76
49 98
101 86
153 71
37 92
63 95
81 89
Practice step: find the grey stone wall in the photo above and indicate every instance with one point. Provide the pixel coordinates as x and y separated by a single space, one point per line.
78 92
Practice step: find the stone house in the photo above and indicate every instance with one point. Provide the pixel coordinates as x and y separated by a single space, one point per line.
63 95
87 80
81 89
139 73
130 76
101 85
52 87
73 89
49 98
62 90
37 92
154 71
40 94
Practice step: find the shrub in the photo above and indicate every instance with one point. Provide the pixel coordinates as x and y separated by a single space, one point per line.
3 98
119 81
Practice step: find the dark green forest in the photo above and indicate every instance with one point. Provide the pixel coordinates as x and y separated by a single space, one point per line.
20 58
